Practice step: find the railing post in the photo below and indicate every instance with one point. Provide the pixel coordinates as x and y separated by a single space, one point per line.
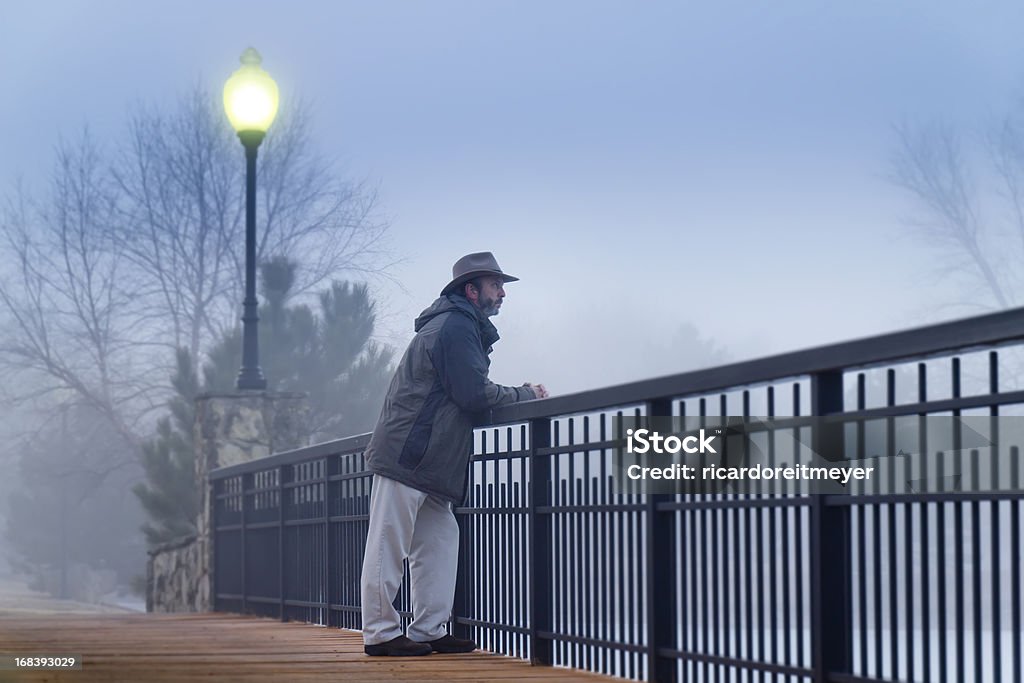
247 479
541 651
214 488
329 470
463 590
831 561
660 561
280 543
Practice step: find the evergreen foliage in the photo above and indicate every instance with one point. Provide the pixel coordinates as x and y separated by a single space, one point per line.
169 495
327 353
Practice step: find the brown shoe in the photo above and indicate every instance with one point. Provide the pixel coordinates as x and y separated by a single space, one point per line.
398 647
450 645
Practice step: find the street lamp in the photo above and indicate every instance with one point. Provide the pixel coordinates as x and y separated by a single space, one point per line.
250 100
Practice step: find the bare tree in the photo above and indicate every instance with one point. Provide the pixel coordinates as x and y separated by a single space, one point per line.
967 190
969 206
67 322
178 218
125 261
182 206
67 348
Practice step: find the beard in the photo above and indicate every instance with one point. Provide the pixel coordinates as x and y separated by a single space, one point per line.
489 306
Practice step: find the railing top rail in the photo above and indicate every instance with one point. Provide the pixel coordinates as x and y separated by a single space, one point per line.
350 444
916 343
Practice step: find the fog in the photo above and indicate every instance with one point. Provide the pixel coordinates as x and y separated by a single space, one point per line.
676 185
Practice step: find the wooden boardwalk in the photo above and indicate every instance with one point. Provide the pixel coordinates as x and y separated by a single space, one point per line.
139 648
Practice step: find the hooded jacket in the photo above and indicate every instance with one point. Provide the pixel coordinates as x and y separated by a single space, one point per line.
424 436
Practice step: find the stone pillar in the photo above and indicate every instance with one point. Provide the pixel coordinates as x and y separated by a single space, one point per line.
231 429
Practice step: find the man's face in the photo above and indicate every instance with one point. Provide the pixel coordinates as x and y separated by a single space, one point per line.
489 295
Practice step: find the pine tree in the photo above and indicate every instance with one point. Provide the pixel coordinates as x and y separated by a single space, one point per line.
328 354
168 495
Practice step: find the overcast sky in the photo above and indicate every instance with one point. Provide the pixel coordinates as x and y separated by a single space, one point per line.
652 171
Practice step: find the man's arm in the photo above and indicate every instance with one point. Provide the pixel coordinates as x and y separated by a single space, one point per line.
462 366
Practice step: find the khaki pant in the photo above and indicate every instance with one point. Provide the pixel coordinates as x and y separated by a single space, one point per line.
405 522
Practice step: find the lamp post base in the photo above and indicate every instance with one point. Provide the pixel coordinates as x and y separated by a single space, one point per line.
251 379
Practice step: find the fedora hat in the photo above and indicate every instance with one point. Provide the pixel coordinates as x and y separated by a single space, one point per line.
474 265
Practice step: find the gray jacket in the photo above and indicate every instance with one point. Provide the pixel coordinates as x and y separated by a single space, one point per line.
424 436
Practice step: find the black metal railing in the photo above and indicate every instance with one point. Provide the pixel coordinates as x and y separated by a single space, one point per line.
558 566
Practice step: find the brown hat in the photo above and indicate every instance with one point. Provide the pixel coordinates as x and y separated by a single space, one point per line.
474 265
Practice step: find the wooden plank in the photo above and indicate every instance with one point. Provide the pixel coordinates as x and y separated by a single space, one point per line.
170 648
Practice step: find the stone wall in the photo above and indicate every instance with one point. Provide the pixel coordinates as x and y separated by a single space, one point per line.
171 584
229 429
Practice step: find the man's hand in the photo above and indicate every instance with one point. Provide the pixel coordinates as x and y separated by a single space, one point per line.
538 389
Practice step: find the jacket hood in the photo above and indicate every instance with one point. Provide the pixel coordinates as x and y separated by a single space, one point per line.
453 303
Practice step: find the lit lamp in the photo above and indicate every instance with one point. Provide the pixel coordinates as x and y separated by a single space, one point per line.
250 100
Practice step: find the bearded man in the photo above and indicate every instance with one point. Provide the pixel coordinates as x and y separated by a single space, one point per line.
419 455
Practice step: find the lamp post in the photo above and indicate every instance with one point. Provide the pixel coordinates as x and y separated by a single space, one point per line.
250 100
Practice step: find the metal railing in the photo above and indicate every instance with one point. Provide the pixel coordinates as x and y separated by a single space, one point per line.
559 567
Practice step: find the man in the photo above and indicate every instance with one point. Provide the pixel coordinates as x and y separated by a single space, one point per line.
419 455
